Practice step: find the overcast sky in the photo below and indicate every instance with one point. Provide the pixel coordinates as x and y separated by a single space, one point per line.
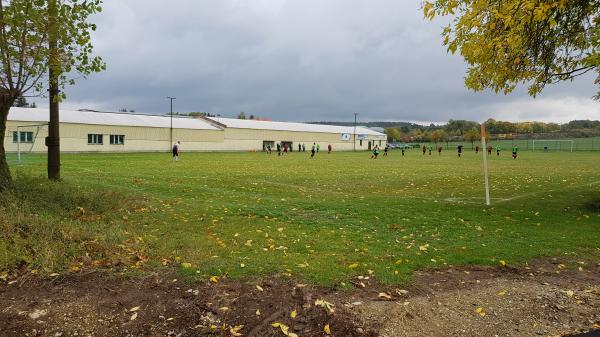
297 60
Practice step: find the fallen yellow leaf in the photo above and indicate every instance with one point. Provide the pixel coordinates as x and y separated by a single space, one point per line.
293 314
385 296
322 303
327 329
235 331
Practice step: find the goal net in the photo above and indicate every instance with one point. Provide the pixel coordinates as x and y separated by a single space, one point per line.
553 145
25 139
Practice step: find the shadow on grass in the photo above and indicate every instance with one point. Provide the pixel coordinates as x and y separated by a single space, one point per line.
593 202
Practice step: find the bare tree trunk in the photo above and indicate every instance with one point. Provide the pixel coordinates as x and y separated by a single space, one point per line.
53 140
6 102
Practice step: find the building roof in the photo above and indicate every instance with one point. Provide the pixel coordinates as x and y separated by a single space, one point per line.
286 126
179 122
109 118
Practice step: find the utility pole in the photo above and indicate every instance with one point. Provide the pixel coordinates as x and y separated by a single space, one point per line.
53 139
171 99
355 115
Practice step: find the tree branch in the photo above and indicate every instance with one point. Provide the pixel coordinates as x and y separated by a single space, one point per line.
4 54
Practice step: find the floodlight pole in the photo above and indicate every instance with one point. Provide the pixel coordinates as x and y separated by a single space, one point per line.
171 129
485 165
354 145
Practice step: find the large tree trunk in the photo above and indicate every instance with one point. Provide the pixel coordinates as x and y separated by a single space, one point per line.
6 101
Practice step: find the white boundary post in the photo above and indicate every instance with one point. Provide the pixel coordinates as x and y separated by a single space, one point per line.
485 166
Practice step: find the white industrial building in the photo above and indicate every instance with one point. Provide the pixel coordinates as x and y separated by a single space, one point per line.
92 131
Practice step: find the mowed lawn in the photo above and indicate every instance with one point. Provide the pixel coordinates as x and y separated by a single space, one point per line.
340 215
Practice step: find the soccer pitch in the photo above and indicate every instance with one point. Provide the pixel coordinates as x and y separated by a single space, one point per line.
339 215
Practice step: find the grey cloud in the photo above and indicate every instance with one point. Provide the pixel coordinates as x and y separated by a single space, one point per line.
291 60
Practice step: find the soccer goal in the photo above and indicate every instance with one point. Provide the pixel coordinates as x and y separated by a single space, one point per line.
26 137
553 145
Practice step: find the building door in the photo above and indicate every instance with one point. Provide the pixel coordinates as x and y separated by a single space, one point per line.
369 145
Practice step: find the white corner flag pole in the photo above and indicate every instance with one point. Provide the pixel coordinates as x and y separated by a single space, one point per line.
485 165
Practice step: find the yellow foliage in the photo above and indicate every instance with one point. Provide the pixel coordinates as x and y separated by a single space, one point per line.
506 43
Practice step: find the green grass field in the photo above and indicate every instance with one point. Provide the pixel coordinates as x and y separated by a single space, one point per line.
322 220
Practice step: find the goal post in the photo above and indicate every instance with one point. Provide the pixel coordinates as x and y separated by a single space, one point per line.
553 145
26 137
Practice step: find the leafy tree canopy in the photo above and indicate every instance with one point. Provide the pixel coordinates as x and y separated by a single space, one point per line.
25 55
512 42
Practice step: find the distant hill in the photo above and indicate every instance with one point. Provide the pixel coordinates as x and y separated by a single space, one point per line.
385 125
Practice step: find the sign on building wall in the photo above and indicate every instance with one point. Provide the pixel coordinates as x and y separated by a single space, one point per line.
361 137
346 136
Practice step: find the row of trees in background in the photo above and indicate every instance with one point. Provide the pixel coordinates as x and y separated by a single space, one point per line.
21 102
469 130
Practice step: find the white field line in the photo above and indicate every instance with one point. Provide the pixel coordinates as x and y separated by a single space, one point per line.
519 196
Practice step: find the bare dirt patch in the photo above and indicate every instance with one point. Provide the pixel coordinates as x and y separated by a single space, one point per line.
99 305
546 298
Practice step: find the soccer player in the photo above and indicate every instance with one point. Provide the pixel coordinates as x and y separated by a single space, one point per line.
498 148
424 149
459 150
386 149
477 149
403 151
176 150
299 147
329 149
318 147
279 149
285 148
439 150
430 148
268 149
489 150
515 151
313 151
375 152
303 148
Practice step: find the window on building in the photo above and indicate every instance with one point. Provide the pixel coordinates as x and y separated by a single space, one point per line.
94 139
26 137
380 143
117 139
361 142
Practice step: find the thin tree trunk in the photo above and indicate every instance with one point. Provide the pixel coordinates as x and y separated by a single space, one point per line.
53 140
6 102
